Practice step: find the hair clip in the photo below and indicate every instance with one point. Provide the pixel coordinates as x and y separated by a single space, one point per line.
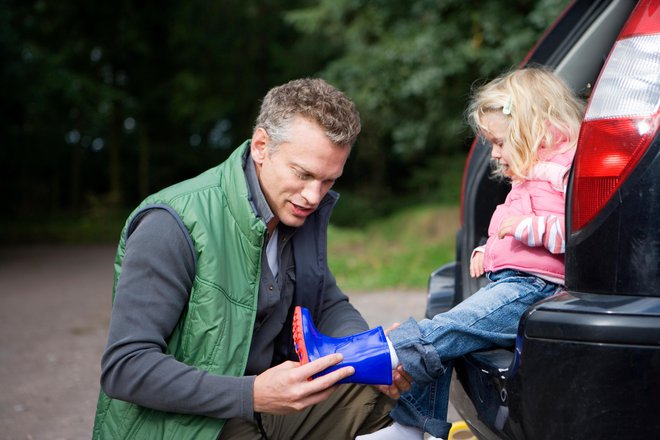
507 106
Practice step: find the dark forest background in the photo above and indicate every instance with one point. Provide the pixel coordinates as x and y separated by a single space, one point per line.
106 101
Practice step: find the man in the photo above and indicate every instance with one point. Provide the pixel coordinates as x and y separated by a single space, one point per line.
207 275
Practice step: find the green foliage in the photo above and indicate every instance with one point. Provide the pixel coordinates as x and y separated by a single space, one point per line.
399 251
437 181
109 100
115 99
409 66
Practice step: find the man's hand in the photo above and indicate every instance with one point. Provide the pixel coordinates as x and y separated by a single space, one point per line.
400 379
285 389
401 382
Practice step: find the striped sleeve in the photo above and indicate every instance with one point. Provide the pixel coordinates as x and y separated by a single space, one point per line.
542 231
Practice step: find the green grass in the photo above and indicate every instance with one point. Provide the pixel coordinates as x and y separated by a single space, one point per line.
398 252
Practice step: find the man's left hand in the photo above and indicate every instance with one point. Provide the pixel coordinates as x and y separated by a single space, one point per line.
401 382
400 379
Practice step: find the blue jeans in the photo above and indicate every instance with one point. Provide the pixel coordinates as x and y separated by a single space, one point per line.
427 348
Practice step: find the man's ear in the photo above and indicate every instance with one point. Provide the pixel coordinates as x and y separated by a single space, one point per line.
259 145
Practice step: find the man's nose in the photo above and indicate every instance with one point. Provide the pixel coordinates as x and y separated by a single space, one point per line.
313 192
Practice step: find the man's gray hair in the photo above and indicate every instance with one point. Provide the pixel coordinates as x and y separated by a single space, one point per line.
315 100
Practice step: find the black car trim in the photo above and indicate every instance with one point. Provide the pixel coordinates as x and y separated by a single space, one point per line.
593 327
560 40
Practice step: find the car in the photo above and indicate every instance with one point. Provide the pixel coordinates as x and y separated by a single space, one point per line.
586 362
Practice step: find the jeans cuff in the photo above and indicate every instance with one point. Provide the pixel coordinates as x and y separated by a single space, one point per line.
418 358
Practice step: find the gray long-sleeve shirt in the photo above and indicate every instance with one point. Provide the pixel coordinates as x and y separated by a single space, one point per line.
157 275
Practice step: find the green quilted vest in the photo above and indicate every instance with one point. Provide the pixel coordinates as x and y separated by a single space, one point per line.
215 329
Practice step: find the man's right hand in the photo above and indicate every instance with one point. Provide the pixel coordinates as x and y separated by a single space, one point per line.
285 389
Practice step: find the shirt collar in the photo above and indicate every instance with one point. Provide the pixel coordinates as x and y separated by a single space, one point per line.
258 198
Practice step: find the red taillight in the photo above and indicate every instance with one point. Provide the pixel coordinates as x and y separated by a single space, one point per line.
622 118
608 150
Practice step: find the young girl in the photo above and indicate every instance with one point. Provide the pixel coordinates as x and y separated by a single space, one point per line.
531 119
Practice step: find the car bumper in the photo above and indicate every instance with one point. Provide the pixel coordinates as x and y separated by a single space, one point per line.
584 366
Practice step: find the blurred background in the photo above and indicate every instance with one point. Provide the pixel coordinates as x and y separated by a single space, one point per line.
105 102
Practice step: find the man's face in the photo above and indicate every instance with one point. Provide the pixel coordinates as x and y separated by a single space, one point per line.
296 177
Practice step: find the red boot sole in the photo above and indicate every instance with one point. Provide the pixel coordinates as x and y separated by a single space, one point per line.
299 337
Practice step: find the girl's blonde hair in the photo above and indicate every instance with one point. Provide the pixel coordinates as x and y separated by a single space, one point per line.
542 110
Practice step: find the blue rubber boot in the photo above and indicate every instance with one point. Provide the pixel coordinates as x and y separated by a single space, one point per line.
367 352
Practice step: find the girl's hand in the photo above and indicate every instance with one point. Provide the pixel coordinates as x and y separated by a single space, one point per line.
507 227
477 264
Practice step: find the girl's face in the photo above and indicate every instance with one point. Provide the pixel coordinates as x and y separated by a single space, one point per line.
495 126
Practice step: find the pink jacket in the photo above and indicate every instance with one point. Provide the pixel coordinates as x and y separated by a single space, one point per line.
538 243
